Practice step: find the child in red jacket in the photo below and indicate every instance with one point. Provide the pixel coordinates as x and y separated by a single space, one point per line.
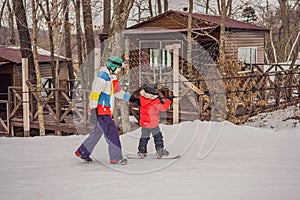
150 106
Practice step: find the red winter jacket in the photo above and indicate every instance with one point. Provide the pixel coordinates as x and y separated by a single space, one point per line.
150 108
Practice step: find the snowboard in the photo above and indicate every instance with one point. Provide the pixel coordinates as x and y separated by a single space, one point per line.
153 156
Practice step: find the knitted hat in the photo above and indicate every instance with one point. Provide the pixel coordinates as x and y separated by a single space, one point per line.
151 88
113 62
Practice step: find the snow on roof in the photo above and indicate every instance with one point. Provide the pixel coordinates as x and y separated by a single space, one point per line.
13 54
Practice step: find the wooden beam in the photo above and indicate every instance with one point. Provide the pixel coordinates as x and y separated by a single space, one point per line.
25 94
175 48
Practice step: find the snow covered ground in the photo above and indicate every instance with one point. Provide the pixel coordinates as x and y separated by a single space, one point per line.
219 161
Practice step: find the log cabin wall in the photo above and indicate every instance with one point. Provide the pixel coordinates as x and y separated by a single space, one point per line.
45 71
242 38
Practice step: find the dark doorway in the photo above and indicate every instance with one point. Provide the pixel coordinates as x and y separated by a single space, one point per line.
6 80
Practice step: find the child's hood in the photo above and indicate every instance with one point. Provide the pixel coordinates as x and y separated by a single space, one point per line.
148 99
148 95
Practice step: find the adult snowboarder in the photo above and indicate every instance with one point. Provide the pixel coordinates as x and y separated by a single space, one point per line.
105 87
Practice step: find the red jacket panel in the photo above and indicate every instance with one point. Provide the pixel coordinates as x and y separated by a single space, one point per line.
149 111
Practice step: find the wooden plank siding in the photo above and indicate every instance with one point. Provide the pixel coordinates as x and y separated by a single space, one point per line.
45 71
240 38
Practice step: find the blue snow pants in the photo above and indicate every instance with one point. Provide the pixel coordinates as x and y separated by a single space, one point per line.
145 137
105 125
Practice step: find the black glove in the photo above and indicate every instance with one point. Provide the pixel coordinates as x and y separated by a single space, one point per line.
170 97
133 99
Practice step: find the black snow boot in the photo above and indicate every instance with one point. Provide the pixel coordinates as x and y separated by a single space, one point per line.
160 152
142 152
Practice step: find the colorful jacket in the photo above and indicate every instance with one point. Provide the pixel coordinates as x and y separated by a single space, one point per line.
150 106
105 87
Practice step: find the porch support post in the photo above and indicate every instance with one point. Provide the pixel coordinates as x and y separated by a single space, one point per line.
25 97
175 48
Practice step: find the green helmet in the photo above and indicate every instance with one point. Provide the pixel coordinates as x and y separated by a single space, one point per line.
114 62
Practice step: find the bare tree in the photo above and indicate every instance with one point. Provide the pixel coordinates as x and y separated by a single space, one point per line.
207 6
143 11
89 38
116 44
68 49
37 68
166 5
159 6
2 11
222 33
11 24
24 37
283 22
106 15
150 8
78 39
47 13
189 49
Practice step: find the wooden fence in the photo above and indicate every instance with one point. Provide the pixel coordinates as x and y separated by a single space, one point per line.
60 115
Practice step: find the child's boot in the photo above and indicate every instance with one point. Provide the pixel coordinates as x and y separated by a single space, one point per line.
160 152
142 152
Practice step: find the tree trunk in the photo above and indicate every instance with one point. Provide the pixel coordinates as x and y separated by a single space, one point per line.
115 46
2 11
189 49
24 37
284 35
150 8
166 5
11 24
106 15
229 8
68 49
207 6
79 41
89 39
47 15
222 35
37 69
159 7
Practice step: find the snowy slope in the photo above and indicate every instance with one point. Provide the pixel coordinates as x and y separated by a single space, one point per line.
220 161
288 118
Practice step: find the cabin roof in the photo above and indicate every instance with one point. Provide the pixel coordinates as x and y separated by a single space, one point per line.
13 54
213 19
160 30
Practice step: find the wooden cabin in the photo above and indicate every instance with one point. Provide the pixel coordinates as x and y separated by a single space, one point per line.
243 40
11 69
148 40
11 112
149 51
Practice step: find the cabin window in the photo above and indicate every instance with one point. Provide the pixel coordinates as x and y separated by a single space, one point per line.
160 59
247 55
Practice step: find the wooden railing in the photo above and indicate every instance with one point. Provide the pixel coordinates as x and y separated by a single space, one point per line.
261 89
4 123
57 105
